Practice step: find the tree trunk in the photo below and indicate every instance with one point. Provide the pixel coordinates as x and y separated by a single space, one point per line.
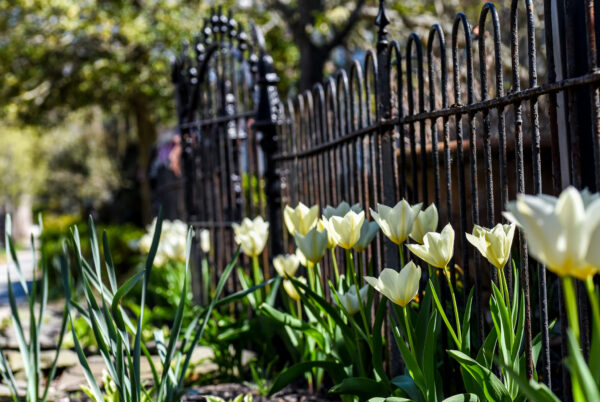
312 63
147 132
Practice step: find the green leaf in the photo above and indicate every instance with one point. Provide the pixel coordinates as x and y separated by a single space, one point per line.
493 388
443 314
325 306
138 330
110 267
531 389
421 326
294 323
377 340
407 384
578 367
410 361
361 387
121 292
485 356
220 285
429 361
390 399
8 377
94 389
466 324
177 322
462 398
335 371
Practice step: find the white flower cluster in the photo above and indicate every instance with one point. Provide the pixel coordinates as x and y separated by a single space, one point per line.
172 242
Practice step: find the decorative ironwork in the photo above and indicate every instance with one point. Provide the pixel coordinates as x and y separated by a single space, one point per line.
390 128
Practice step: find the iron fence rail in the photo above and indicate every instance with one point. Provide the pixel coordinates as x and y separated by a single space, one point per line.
415 123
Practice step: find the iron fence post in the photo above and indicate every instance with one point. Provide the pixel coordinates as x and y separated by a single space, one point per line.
266 128
386 148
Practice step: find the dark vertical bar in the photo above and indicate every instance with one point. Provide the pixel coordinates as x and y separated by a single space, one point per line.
436 32
459 20
266 121
413 38
521 184
487 148
590 24
386 146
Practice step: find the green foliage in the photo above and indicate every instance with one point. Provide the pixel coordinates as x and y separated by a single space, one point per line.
29 349
20 171
120 239
119 339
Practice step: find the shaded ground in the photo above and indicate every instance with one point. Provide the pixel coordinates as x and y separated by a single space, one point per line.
230 391
70 375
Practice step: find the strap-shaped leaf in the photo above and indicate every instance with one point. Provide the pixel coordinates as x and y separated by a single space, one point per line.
493 388
108 261
95 390
8 377
408 386
335 371
177 322
220 286
138 330
360 387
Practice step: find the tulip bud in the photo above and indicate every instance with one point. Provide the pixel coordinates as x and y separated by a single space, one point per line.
301 258
347 229
252 235
290 289
313 245
341 210
437 248
397 222
400 287
349 300
427 221
367 234
325 225
494 244
300 219
205 241
286 265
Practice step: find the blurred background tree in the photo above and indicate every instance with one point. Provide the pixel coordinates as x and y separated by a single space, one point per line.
110 60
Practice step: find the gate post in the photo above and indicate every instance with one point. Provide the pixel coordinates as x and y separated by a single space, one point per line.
265 125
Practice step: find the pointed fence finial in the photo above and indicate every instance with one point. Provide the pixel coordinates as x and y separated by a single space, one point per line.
381 21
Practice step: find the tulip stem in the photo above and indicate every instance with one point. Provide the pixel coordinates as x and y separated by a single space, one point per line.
350 257
299 309
335 267
256 273
444 316
504 288
401 256
311 275
591 290
359 353
408 331
571 305
456 317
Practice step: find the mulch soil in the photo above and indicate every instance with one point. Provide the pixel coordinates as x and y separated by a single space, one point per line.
230 391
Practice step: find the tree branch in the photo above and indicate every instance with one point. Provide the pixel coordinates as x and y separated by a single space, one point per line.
340 35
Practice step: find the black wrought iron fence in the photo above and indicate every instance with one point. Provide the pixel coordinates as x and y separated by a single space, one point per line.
430 120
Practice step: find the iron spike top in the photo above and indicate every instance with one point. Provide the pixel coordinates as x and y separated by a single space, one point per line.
382 21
